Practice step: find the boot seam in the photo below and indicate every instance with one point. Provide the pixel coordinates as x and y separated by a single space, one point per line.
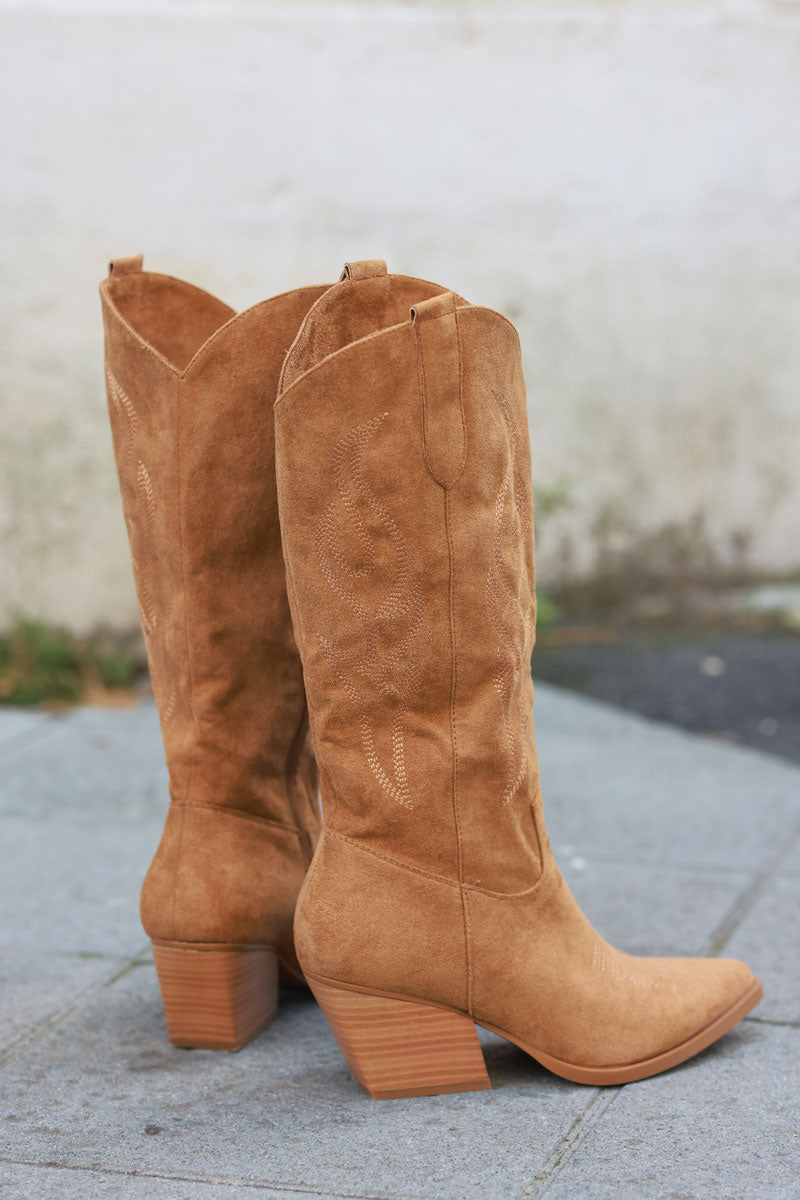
284 394
296 618
453 883
299 633
185 614
199 355
454 740
290 778
424 404
108 297
228 810
282 390
395 862
206 348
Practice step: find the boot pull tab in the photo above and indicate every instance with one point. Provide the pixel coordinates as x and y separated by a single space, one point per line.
367 268
438 342
126 266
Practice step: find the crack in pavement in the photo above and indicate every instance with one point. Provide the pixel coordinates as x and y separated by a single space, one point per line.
746 901
40 1030
288 1189
583 1124
566 1146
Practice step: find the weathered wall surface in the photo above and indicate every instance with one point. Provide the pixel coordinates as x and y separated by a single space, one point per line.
622 179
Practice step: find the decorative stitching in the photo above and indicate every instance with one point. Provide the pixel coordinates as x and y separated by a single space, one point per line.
515 633
169 707
139 497
146 491
612 962
123 406
147 611
389 630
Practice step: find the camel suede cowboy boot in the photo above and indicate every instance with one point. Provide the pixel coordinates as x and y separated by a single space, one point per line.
433 901
191 388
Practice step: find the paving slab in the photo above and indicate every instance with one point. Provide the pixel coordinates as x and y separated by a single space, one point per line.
69 889
618 785
652 909
660 838
769 940
790 863
82 809
18 724
37 987
723 1126
25 1181
96 764
106 1089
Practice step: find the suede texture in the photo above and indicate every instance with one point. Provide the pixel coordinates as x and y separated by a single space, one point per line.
190 390
404 487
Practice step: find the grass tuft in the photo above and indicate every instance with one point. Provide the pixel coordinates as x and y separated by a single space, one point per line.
44 664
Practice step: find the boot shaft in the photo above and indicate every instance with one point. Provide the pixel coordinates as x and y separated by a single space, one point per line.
190 389
403 468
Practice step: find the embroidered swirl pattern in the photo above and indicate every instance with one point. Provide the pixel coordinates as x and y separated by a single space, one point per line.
371 558
139 502
510 607
622 968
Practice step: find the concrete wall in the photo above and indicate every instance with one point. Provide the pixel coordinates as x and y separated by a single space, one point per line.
622 179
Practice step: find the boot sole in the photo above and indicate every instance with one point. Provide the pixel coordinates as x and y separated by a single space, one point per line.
396 1046
216 996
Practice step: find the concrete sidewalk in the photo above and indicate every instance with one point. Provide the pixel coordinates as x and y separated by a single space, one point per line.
672 843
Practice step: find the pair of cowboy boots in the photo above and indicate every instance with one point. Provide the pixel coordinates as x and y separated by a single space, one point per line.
328 498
